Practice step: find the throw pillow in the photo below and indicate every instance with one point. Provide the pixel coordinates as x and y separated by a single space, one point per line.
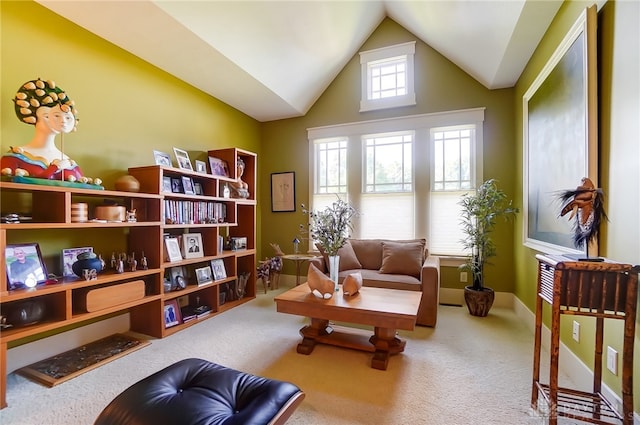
348 259
402 258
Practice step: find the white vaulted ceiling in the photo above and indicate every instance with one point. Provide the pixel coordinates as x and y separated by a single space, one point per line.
273 59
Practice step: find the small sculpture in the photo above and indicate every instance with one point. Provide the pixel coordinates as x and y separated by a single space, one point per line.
143 262
320 284
587 205
133 263
352 284
239 188
277 249
131 216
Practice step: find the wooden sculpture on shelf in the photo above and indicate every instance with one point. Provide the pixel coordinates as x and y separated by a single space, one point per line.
586 205
48 108
320 284
352 284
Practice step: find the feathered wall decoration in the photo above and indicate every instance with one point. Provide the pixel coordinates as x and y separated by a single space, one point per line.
586 204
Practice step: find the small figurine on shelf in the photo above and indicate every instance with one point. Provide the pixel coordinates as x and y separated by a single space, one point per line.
131 216
133 263
239 188
143 262
102 262
114 263
120 266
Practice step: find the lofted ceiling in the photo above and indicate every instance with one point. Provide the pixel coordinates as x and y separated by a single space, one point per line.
274 59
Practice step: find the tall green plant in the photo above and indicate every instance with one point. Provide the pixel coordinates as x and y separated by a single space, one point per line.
478 219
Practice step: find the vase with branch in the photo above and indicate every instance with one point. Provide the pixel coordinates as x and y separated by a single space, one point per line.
330 229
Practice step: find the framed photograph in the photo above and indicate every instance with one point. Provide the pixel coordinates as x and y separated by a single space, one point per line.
173 249
25 268
176 185
219 271
166 184
218 167
238 243
162 158
178 278
172 315
183 159
197 188
560 137
69 256
187 186
283 192
192 245
201 167
204 275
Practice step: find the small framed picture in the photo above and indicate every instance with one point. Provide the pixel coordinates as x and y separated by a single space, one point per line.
219 271
172 315
166 184
218 167
197 187
183 159
192 245
176 185
201 167
173 249
162 158
204 276
283 192
187 185
25 268
70 256
178 278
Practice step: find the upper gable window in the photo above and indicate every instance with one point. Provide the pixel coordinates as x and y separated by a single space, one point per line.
387 77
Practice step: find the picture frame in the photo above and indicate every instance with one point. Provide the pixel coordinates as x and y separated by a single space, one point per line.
201 167
187 186
192 245
162 158
166 184
70 256
25 268
219 270
176 185
178 278
283 192
560 137
218 167
182 157
204 275
172 315
173 249
197 188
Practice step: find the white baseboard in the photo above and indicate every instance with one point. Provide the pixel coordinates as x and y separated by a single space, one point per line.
455 296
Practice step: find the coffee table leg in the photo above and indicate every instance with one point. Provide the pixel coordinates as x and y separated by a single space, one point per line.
386 344
318 328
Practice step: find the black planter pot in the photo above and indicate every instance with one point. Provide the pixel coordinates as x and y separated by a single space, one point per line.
478 302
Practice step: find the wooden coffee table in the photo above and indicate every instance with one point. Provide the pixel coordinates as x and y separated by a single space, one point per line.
384 309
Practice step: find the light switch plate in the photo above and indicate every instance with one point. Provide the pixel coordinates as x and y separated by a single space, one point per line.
612 360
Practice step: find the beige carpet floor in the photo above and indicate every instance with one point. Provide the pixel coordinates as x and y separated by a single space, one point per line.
466 371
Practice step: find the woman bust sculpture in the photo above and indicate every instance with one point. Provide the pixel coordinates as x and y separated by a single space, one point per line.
48 108
239 188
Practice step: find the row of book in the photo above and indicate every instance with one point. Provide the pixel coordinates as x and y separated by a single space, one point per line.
196 212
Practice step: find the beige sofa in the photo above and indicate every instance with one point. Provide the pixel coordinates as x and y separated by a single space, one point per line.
394 264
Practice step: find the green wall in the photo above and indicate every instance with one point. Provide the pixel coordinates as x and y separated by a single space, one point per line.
619 156
440 86
127 107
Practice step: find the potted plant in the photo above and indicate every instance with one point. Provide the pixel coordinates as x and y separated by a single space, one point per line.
329 228
479 214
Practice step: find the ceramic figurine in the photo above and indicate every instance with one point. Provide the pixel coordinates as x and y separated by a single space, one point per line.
48 108
131 216
352 283
320 284
239 188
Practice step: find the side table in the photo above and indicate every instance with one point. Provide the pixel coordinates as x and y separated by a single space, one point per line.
604 290
298 259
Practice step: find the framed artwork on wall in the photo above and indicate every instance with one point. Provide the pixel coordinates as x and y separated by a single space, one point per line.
560 136
283 192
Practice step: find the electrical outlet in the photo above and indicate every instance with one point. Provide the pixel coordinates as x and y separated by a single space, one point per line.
576 331
463 277
612 360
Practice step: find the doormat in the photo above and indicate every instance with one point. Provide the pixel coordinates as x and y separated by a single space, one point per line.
62 367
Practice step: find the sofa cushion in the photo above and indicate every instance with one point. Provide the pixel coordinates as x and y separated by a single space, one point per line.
348 259
402 258
375 279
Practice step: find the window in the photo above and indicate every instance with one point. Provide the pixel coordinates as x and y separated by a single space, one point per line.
387 77
404 175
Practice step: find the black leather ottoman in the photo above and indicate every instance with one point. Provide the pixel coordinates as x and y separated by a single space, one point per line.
195 391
